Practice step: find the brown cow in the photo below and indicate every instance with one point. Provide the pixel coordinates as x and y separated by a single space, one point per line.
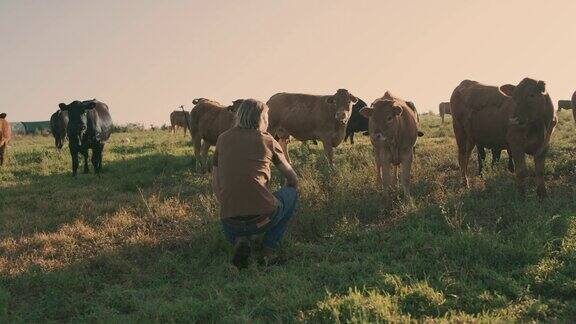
574 106
179 119
518 118
5 136
310 117
444 109
393 128
209 119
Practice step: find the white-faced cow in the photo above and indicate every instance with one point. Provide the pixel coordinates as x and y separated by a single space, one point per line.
89 127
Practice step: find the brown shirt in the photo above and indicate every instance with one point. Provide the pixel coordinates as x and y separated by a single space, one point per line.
243 158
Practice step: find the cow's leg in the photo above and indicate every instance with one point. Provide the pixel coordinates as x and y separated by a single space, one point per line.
406 169
352 138
100 157
85 155
539 161
204 156
74 155
574 113
328 150
197 144
378 164
97 157
2 151
465 147
386 178
496 154
442 116
521 169
510 162
395 177
481 157
346 137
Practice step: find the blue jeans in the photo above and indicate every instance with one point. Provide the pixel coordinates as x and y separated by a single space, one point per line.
275 229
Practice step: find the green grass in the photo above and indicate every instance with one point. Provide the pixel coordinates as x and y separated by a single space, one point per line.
142 242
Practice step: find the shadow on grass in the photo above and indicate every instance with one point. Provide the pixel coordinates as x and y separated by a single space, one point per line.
429 265
25 208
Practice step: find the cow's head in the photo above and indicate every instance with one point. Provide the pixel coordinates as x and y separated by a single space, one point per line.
383 115
198 100
235 105
3 116
342 103
530 97
77 118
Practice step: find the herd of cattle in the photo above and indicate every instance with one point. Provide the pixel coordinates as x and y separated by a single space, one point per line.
519 119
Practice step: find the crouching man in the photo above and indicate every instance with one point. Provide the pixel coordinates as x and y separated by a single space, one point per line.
241 172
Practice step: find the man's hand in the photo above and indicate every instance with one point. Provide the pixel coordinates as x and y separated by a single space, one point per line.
287 171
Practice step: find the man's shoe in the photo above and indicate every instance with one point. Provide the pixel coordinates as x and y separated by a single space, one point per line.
242 251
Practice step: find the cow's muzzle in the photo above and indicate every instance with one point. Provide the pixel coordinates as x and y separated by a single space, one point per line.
341 118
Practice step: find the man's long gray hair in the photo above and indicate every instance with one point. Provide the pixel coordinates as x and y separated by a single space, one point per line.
249 115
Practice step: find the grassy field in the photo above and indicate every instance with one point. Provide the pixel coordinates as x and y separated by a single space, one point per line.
142 242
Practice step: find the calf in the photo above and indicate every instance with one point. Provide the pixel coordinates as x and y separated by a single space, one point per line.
89 127
519 118
564 104
5 136
393 128
179 119
209 119
444 109
357 122
58 126
310 117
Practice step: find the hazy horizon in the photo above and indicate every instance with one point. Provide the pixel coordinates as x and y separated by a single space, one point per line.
146 58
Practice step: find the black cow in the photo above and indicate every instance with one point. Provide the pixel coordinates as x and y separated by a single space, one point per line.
496 153
89 127
58 125
357 122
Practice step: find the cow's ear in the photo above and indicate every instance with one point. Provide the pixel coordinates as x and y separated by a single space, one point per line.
397 110
2 115
507 89
542 86
63 107
330 100
89 105
353 99
367 112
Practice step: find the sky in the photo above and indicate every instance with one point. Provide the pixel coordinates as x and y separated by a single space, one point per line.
145 58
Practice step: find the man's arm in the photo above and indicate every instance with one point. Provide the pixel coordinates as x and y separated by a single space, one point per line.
216 183
286 169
